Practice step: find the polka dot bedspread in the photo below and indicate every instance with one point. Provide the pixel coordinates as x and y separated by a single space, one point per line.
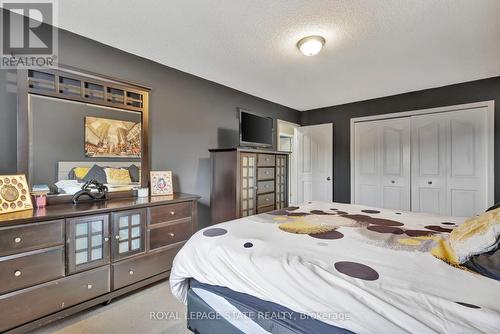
325 259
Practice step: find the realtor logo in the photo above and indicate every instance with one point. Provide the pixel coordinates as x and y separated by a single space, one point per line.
28 34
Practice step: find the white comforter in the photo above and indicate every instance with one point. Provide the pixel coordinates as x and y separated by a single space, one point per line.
365 279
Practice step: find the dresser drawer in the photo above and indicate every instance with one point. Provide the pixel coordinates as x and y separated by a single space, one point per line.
27 269
265 187
265 209
265 173
28 237
265 200
32 303
169 234
266 160
136 269
169 212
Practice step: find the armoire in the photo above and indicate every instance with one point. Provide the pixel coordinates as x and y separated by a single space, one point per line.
437 161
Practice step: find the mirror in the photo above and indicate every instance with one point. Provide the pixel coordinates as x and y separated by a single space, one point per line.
72 142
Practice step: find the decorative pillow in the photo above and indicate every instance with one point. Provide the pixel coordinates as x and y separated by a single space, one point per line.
97 173
476 235
135 173
80 172
117 176
486 264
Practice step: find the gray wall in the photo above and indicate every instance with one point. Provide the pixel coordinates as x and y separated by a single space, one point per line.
474 91
188 115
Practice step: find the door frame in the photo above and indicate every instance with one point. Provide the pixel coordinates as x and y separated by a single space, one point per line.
490 152
294 172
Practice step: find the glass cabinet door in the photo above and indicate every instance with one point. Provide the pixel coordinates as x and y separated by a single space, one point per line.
128 233
248 181
87 242
281 182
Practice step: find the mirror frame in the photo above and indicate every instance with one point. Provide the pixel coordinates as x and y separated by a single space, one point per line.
25 88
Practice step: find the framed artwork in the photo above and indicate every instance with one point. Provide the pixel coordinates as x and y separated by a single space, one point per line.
161 183
14 194
112 138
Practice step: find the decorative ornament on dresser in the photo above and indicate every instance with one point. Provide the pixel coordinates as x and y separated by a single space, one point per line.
14 195
161 183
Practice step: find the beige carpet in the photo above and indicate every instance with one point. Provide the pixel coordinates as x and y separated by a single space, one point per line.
129 314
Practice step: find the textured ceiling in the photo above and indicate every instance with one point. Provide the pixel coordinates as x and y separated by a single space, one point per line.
373 48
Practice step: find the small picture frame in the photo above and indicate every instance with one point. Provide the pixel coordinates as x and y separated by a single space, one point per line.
14 194
161 183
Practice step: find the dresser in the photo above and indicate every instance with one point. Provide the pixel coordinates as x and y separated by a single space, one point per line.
247 182
65 258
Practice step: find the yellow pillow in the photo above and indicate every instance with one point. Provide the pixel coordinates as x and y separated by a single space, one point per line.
476 235
80 172
117 176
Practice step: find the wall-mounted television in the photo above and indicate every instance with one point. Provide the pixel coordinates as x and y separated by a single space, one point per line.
255 130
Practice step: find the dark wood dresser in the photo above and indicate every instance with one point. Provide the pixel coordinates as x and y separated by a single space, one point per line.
247 182
65 258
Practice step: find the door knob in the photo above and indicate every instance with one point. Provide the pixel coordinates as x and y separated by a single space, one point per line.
393 181
328 178
430 182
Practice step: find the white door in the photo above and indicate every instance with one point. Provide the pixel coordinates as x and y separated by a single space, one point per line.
382 163
314 160
429 144
449 164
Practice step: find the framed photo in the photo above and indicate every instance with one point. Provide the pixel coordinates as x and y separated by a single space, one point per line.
161 183
14 194
109 138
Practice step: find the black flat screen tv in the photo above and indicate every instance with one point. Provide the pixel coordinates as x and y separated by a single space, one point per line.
255 130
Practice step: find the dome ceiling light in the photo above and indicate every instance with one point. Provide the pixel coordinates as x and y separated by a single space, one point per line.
311 45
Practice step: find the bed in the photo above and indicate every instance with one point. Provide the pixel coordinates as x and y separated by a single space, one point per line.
360 269
68 183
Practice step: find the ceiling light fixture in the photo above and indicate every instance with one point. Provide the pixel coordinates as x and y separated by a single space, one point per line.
311 45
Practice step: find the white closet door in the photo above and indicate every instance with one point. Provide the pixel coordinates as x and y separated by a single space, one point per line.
367 164
429 145
467 176
395 158
382 163
449 165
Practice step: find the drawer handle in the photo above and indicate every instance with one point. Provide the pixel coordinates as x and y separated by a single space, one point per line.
267 173
268 199
17 273
117 237
131 272
17 240
172 213
89 286
171 234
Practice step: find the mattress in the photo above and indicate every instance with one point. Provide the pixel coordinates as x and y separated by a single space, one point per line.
363 269
214 309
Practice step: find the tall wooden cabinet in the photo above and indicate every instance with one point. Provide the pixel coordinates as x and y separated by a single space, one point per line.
247 182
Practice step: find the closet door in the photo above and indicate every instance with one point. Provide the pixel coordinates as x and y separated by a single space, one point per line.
429 145
449 163
467 176
367 170
382 163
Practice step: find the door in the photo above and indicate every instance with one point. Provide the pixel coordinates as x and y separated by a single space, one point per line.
314 160
248 179
128 233
87 244
449 163
382 163
429 145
